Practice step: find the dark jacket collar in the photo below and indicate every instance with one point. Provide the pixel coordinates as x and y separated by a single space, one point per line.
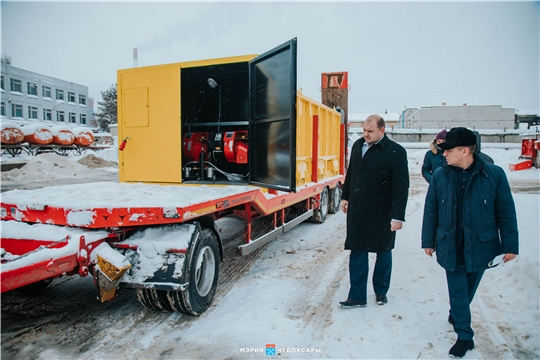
477 165
383 142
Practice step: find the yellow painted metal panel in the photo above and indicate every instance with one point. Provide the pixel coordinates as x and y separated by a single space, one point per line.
328 146
142 158
135 108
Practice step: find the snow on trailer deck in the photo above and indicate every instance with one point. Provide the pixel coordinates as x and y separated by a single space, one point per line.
109 205
115 204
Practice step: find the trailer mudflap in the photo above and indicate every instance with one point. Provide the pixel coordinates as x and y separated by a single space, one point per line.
111 267
157 255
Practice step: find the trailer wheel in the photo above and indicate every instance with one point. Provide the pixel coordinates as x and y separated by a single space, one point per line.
154 299
200 272
320 214
335 200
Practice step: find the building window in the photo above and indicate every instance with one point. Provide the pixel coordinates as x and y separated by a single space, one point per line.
31 88
16 85
46 92
82 119
71 97
16 110
3 109
2 83
72 117
32 112
59 94
59 116
47 114
82 99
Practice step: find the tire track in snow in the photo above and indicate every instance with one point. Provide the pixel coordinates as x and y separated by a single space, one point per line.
327 270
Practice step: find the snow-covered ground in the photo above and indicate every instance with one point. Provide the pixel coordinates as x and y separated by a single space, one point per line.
289 298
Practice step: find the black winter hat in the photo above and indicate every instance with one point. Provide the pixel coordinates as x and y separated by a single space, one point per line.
458 136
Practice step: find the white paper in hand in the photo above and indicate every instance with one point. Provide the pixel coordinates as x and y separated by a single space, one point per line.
496 260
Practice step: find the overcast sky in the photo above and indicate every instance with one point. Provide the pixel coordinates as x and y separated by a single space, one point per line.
397 53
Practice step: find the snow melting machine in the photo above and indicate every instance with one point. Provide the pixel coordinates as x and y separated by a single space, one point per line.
237 120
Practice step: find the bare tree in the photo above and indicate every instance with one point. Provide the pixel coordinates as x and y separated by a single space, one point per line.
6 59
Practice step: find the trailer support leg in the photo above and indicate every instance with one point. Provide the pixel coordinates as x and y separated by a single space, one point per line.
247 210
83 257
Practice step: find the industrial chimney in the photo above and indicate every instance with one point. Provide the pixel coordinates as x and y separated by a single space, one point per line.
135 57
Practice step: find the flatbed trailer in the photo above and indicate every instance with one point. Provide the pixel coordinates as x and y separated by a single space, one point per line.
274 164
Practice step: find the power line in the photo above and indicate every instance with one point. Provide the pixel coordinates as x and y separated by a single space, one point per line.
464 94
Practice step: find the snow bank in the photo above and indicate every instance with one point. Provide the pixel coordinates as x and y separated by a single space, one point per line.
44 167
93 161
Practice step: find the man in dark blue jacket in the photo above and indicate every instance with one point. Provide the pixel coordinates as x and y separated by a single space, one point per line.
469 219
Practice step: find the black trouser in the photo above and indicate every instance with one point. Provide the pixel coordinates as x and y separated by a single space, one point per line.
358 274
462 286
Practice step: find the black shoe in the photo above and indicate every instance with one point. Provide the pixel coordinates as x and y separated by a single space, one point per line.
350 303
381 299
460 348
451 320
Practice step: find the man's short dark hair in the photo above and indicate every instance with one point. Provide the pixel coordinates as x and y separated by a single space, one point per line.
378 119
472 148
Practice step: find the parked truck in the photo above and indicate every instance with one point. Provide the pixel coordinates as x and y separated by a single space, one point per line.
201 141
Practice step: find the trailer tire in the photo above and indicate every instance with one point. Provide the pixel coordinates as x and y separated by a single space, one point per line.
335 200
200 272
154 299
320 214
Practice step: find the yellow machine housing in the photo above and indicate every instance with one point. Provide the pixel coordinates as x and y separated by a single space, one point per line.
179 120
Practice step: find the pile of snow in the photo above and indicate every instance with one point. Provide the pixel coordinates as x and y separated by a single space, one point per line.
93 161
50 166
108 154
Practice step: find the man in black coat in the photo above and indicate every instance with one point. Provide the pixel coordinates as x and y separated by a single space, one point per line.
469 223
374 197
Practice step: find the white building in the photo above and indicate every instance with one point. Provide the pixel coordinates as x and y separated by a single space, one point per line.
447 117
27 96
356 121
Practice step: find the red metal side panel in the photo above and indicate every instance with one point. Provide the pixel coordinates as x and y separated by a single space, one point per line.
30 274
102 218
524 165
20 247
121 217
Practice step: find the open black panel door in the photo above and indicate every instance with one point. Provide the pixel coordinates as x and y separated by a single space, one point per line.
272 123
